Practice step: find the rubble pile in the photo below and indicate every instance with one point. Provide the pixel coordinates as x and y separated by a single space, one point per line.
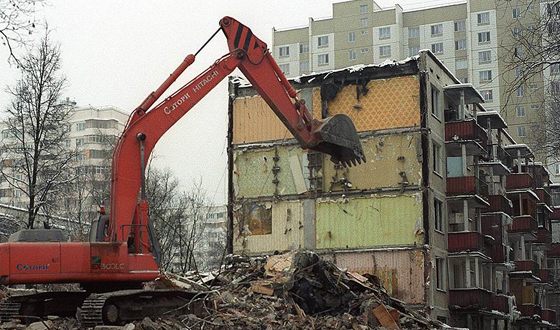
294 291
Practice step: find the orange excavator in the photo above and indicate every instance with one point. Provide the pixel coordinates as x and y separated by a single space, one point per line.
122 253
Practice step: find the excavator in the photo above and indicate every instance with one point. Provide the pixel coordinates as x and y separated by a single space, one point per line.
122 253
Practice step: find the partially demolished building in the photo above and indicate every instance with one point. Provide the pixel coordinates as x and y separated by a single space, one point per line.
430 212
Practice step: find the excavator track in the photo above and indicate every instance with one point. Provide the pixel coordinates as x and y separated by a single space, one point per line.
9 310
119 307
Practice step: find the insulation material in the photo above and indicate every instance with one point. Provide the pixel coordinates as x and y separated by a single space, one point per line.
286 230
388 103
393 161
373 221
254 121
275 171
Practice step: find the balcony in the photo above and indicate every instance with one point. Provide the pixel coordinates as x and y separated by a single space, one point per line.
528 310
554 250
499 203
465 241
470 298
548 315
466 185
468 133
543 236
527 266
545 275
555 215
523 224
516 181
500 303
544 196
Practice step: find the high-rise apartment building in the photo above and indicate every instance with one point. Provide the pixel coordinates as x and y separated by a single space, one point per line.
475 39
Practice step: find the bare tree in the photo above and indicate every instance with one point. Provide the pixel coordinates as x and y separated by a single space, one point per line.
35 158
17 22
178 218
532 65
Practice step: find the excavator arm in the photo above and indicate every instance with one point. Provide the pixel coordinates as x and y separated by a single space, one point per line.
336 135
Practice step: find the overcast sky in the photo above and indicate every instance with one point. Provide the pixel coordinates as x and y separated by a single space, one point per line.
116 52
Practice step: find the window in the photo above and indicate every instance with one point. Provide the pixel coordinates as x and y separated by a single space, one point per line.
80 126
487 95
437 48
323 59
483 18
323 41
516 31
284 51
436 157
461 64
484 57
363 9
519 52
459 26
483 37
384 32
516 12
435 101
414 32
364 50
285 68
303 48
413 50
352 55
485 75
520 111
440 273
79 142
304 66
437 30
461 44
555 68
521 131
384 51
364 32
518 72
520 91
438 214
351 36
364 22
555 88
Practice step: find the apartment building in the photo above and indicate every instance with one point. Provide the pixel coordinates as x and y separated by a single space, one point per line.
449 211
93 132
475 39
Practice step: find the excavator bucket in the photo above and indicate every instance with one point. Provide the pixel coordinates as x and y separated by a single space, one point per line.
338 137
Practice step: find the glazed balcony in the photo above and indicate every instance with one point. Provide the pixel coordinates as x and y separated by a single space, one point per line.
470 298
548 315
523 224
528 310
544 196
467 130
499 203
465 241
543 236
516 181
500 303
527 266
466 185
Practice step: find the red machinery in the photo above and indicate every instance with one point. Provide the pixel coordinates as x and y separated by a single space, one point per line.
122 252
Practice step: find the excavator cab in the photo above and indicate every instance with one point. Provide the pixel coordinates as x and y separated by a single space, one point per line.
337 136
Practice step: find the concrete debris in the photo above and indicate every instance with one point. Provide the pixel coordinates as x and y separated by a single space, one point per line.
298 290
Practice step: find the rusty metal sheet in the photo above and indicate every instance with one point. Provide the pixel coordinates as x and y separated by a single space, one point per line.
253 235
401 272
393 161
254 121
389 103
279 170
369 221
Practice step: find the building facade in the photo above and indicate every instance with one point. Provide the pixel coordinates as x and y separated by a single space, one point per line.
449 211
476 39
